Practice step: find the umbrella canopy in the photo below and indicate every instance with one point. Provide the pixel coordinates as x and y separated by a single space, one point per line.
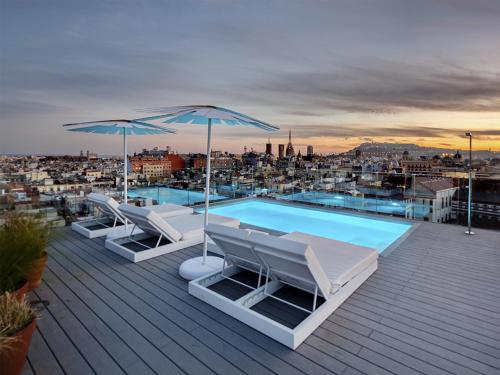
128 127
120 127
205 115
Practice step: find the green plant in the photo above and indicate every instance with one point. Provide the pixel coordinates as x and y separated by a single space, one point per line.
23 239
15 315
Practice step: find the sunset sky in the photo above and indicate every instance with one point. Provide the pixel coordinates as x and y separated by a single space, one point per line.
337 73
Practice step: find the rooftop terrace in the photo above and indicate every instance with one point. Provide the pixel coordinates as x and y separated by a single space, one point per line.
432 307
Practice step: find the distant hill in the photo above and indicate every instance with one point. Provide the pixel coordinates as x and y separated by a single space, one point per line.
416 150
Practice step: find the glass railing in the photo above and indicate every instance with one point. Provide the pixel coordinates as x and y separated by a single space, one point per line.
393 195
397 207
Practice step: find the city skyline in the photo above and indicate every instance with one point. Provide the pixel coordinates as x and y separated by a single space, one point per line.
410 73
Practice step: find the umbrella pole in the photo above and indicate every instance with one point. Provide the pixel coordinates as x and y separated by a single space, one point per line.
207 188
125 166
125 183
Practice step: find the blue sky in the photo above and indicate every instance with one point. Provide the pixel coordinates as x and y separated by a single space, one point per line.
335 72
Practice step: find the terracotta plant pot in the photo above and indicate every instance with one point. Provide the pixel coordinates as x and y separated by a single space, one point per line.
12 360
21 292
35 275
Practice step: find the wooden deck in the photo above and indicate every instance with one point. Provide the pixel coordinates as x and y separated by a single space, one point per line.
433 307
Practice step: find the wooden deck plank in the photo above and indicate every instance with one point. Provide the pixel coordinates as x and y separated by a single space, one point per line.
88 344
131 335
61 345
153 328
96 322
432 307
455 333
41 358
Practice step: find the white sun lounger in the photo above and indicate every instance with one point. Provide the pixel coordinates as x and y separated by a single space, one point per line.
328 271
111 221
161 235
110 217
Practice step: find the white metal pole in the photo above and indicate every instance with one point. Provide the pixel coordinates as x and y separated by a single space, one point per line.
469 231
207 187
125 165
125 183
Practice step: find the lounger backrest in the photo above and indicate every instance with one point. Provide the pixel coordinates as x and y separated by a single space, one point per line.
149 221
291 262
233 243
107 205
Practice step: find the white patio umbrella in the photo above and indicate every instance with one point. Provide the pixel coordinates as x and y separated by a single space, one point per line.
205 115
121 127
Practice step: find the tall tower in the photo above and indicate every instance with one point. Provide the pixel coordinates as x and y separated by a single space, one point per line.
269 147
310 151
281 151
289 146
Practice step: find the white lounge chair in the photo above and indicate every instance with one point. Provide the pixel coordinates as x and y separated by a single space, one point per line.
109 219
161 235
307 278
111 222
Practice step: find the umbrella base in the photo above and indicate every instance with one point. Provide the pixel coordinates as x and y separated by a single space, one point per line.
193 268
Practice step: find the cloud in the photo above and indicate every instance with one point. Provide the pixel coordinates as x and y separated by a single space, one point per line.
15 106
323 70
385 87
367 132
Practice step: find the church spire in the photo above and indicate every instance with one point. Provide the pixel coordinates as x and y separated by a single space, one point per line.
289 147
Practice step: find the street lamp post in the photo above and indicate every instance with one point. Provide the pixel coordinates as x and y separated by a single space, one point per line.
469 231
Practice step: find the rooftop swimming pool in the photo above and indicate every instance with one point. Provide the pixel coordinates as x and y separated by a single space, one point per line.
169 195
386 206
358 230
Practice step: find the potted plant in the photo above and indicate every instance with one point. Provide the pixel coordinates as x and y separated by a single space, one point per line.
38 233
17 324
23 240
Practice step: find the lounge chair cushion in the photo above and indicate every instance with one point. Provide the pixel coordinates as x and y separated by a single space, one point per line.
190 226
168 209
292 262
341 261
150 222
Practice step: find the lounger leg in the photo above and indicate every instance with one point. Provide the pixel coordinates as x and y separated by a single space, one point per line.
265 285
114 222
223 266
315 297
132 231
159 240
260 276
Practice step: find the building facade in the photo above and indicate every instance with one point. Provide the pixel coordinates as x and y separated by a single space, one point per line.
156 164
281 151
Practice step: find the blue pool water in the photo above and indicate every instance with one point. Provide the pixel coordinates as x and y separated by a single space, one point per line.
176 196
386 206
358 230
